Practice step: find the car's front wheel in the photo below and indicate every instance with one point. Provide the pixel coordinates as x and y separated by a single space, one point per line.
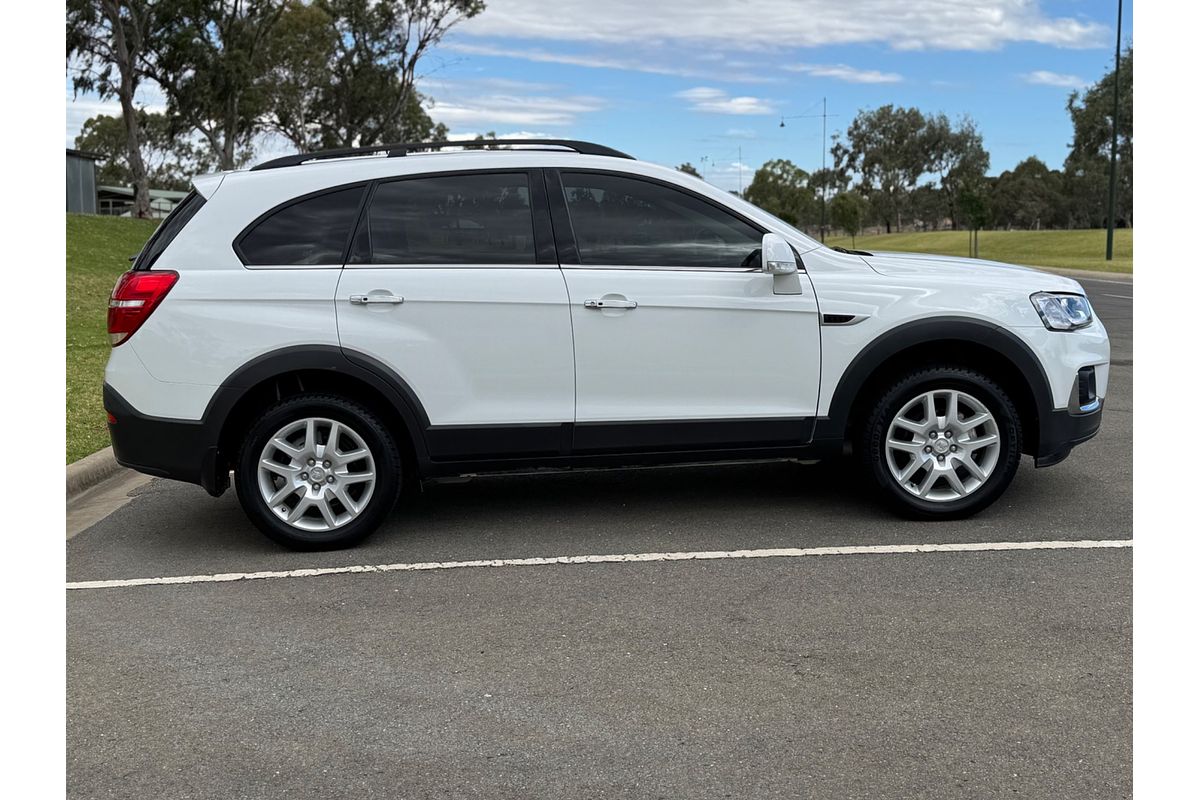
318 472
942 443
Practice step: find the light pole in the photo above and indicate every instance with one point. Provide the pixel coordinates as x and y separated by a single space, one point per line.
824 115
1112 157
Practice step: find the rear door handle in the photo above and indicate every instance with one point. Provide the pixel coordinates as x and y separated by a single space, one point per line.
610 304
365 299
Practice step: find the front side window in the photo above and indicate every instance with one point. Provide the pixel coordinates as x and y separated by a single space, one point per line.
309 232
622 221
449 219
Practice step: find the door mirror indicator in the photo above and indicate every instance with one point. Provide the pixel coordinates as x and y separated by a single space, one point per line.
778 258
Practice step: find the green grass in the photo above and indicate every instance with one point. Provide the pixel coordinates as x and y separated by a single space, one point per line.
1081 249
98 249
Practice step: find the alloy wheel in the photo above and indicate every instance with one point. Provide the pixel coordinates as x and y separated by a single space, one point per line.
942 445
316 474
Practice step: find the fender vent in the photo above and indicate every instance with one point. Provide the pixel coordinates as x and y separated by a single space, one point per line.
837 319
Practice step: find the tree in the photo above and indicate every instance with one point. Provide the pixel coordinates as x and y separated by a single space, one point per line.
1030 195
782 188
927 206
109 40
301 51
887 147
168 160
347 70
956 155
212 62
973 205
1086 166
687 169
847 211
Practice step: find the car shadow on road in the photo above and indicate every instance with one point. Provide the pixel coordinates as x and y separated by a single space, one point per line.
172 528
505 516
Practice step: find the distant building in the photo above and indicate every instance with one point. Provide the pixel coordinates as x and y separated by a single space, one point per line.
117 201
81 181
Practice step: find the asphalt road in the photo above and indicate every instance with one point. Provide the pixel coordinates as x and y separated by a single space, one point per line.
978 674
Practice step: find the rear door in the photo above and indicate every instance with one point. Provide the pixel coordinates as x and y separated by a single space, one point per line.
681 342
452 283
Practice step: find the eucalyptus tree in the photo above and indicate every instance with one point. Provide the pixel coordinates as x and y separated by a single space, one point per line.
346 70
108 50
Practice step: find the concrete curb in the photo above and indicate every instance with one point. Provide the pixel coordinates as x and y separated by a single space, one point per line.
91 470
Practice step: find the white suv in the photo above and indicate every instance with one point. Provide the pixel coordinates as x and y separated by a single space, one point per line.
330 326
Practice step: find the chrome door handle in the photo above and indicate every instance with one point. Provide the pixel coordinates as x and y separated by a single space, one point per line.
610 304
364 299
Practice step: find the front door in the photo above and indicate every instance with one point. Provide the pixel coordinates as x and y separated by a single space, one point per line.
680 341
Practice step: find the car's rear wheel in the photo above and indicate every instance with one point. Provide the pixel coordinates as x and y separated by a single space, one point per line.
942 443
318 472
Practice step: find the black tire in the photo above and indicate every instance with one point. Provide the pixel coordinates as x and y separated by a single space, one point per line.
375 436
873 435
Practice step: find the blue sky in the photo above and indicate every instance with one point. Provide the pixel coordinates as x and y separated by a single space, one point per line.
694 80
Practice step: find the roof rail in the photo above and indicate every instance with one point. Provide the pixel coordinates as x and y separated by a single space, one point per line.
403 149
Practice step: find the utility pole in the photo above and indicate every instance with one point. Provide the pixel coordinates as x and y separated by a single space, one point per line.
824 115
1112 158
824 176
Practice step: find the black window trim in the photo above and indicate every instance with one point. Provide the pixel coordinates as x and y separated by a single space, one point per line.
246 231
187 208
564 231
544 252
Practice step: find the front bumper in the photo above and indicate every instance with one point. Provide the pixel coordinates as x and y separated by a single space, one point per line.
1062 430
182 450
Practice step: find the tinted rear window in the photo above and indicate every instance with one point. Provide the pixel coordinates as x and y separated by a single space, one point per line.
309 232
449 219
180 216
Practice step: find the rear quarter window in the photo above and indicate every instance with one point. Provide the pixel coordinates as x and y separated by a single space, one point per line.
309 231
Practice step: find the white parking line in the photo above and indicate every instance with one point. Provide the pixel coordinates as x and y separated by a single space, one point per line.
1119 296
712 555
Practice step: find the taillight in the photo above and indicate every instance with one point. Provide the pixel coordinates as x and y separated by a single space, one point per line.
136 295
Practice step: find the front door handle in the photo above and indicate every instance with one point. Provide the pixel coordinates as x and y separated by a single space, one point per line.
610 304
365 299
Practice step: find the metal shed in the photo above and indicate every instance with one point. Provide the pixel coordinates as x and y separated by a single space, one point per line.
81 181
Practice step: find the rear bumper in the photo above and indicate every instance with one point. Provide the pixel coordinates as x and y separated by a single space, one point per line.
1061 431
182 450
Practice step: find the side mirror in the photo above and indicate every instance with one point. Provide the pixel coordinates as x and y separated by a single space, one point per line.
778 258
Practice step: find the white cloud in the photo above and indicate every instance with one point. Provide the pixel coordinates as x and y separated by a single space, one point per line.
438 85
741 133
843 72
470 135
717 101
753 24
82 107
727 71
490 111
1044 77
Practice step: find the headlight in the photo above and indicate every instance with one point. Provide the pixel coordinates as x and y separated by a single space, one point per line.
1062 312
